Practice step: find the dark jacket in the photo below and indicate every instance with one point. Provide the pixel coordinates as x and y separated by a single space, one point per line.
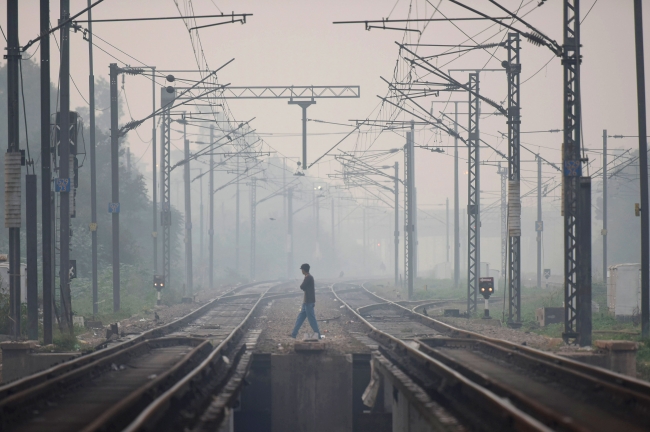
308 287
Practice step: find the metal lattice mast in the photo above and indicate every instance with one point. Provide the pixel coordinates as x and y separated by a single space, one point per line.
513 69
409 227
165 193
189 276
473 196
253 226
396 233
572 164
503 173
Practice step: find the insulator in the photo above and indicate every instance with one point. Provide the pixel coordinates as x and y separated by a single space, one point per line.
535 38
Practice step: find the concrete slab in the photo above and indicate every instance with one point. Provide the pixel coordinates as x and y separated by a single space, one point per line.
311 393
309 346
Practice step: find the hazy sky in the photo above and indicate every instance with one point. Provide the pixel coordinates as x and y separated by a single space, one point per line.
295 43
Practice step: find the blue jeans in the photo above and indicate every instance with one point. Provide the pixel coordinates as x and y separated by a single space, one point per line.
307 311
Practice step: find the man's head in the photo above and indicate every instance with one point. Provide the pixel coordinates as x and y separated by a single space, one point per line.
305 269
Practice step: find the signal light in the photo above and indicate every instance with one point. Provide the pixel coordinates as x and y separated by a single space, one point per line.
486 286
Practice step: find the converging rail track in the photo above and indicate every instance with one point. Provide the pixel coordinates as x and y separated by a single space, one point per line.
130 385
492 384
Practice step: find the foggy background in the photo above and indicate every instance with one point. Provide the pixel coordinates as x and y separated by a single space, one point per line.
295 43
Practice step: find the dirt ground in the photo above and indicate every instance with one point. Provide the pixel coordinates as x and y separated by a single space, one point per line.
156 316
496 331
277 319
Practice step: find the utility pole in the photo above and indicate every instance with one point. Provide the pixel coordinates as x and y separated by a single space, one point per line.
201 254
365 245
456 203
643 170
46 174
64 169
93 162
396 231
513 70
503 173
154 188
447 220
114 206
189 279
284 187
577 220
289 232
333 237
166 101
539 226
31 216
13 201
409 223
211 221
237 222
603 232
253 226
474 197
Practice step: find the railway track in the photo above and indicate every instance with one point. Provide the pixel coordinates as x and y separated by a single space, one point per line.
491 384
130 385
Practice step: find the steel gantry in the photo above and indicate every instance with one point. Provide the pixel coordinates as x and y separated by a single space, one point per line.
473 195
303 96
513 71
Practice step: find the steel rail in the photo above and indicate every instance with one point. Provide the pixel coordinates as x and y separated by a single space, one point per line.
607 395
150 418
454 388
63 368
624 381
20 406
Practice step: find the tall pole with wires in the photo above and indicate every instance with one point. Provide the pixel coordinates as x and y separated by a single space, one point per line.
456 203
13 166
154 171
409 223
237 222
189 277
253 226
503 174
643 170
576 205
290 268
93 164
211 221
513 70
396 231
166 100
604 230
539 226
46 174
474 198
64 169
114 207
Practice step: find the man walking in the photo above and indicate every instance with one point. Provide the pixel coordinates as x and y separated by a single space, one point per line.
308 303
